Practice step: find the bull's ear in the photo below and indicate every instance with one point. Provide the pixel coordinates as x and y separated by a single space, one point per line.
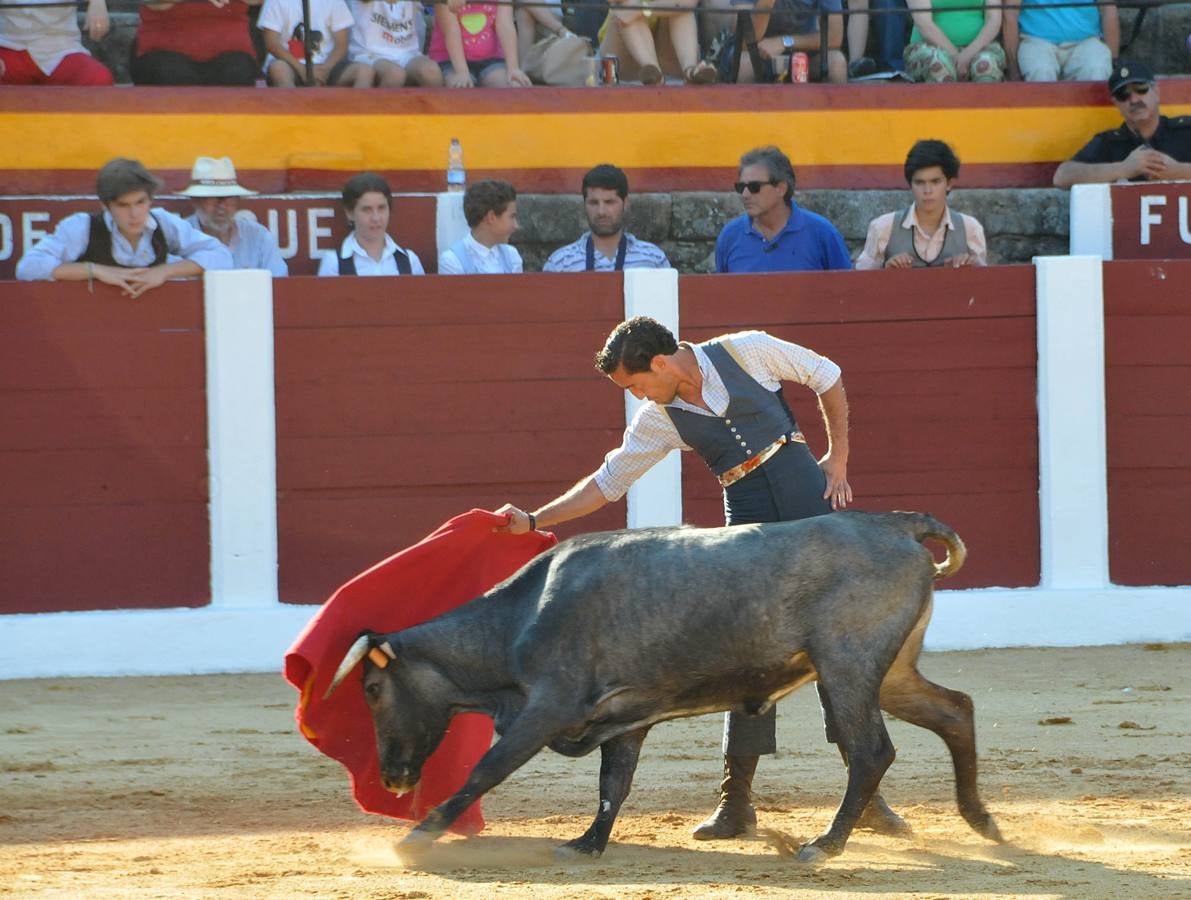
354 654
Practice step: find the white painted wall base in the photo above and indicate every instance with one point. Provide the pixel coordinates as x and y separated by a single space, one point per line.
1037 617
149 642
206 641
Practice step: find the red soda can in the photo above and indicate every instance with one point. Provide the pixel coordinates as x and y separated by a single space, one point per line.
609 70
800 68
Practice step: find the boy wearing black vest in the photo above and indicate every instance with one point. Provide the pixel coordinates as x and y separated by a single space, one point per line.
928 233
128 244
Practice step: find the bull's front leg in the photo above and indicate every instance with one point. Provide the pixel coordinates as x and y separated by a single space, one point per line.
870 752
527 735
618 762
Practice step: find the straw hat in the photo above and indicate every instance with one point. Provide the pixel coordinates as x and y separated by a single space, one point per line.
213 177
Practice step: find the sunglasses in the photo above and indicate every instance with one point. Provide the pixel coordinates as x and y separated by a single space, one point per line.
753 187
1121 94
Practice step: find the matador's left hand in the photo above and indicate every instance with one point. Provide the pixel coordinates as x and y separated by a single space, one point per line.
838 491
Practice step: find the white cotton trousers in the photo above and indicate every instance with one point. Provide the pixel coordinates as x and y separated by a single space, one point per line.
1086 60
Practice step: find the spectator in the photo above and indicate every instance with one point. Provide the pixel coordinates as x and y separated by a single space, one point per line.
774 234
490 208
129 245
387 36
927 233
1146 147
650 45
954 44
216 197
891 31
194 43
788 26
1044 42
476 43
41 44
368 249
606 247
587 20
859 64
281 25
535 23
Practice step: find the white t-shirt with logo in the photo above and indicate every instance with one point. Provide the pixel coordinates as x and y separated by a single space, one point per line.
326 17
385 30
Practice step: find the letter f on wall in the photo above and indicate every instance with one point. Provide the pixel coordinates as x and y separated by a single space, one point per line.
1148 217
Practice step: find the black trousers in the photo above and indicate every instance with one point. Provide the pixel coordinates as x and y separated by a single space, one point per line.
788 486
233 69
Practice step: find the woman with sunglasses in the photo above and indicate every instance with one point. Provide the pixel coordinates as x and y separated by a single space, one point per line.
1147 146
775 234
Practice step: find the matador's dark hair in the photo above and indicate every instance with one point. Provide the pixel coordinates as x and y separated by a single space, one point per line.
634 344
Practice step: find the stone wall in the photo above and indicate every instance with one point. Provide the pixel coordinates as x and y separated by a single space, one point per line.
1019 224
1162 40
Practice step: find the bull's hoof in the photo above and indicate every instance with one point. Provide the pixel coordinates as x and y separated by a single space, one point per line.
986 827
809 854
878 817
578 850
415 845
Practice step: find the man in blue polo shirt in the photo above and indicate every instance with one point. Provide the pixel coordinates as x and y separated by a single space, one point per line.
774 234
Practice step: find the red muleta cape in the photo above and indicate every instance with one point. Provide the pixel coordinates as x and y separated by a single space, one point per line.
458 562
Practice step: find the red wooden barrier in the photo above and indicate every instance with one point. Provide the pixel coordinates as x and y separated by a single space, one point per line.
103 450
404 401
401 402
940 372
1147 347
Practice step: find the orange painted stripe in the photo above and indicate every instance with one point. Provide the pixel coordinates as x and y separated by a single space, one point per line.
838 136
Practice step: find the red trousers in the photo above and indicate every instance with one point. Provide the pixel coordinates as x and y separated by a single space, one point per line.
79 69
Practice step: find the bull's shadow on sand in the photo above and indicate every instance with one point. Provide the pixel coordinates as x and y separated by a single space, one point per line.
869 865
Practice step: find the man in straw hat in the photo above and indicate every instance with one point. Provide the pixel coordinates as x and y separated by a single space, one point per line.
130 244
216 197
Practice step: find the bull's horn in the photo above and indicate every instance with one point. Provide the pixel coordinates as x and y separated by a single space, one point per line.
355 653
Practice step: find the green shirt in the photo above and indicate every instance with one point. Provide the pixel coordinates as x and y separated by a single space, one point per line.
960 25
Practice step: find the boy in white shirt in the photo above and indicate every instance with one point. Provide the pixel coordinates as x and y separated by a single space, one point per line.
490 208
331 21
388 36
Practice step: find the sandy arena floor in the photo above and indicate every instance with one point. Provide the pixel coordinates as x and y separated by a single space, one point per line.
201 787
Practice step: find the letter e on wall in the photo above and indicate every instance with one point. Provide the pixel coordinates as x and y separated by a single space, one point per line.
316 231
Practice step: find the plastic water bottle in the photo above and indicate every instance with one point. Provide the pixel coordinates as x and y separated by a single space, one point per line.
456 174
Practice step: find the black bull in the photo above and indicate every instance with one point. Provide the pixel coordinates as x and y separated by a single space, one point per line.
606 634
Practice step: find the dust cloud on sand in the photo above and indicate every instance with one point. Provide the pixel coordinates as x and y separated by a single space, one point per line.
201 787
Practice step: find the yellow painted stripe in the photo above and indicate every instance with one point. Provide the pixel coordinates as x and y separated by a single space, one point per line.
534 141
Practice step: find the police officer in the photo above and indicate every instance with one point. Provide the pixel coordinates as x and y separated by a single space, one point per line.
1146 147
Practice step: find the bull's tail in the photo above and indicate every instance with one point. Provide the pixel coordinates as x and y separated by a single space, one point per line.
923 527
